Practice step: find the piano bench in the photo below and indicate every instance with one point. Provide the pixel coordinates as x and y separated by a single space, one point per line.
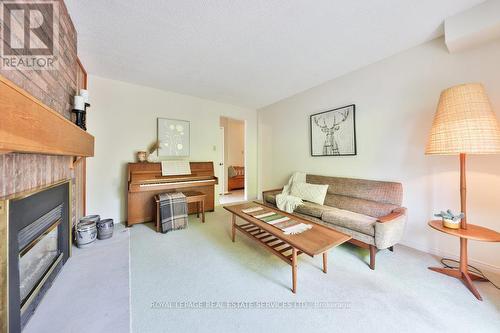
191 197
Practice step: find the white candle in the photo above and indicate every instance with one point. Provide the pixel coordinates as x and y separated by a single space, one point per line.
85 94
79 103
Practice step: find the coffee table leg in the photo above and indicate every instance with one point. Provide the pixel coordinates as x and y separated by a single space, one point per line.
294 270
325 261
233 228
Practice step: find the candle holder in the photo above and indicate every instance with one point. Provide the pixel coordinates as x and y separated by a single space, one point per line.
80 118
87 105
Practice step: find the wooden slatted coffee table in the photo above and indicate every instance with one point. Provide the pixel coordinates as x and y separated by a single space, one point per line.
317 240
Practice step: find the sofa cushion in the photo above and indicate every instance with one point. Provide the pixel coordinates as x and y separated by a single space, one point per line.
270 198
307 208
311 192
361 206
353 233
371 190
312 209
350 220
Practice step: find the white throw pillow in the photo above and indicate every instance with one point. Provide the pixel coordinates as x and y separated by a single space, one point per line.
310 192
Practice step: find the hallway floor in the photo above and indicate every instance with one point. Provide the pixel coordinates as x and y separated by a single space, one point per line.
232 197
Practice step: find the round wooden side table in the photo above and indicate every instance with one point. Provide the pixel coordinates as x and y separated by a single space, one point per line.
473 232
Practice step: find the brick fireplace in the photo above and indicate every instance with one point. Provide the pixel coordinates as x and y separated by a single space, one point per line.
30 174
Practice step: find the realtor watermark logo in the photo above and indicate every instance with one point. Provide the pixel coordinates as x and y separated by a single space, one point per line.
29 35
245 305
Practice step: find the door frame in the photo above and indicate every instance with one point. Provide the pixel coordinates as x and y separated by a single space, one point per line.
222 138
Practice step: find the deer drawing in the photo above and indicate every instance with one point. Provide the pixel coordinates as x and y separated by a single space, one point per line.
330 147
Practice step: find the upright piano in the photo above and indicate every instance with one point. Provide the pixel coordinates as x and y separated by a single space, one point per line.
145 180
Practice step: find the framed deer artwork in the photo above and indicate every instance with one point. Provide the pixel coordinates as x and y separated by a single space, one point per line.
333 132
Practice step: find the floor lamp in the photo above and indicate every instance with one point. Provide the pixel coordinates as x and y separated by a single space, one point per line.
464 124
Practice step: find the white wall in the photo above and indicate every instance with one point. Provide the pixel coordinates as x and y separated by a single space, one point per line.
123 120
395 104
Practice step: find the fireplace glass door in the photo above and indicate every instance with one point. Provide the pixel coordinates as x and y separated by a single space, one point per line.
36 258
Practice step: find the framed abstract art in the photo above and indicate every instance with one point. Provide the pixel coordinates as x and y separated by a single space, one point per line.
173 136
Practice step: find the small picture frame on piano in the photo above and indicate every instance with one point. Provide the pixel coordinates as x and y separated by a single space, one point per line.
173 136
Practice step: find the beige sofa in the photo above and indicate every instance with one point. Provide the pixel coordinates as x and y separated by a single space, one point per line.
369 211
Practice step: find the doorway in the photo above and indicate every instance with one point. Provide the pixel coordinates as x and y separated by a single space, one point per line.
232 164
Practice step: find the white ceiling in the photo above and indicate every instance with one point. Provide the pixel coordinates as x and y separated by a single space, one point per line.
248 52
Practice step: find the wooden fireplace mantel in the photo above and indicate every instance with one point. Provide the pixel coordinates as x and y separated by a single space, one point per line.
29 126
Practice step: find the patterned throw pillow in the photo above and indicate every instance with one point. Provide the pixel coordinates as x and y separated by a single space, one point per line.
240 171
310 192
234 171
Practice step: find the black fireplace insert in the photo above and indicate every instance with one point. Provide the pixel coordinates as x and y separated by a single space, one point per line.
38 246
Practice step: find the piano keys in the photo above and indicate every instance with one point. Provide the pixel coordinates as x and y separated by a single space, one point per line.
145 181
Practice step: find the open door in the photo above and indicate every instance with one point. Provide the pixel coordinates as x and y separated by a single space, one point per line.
232 160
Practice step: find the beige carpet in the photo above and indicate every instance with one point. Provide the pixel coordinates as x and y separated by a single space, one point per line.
197 280
91 293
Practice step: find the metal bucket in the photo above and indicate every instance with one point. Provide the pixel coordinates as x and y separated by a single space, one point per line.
86 233
105 229
92 218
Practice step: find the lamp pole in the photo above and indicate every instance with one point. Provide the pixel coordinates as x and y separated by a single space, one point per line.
463 208
463 190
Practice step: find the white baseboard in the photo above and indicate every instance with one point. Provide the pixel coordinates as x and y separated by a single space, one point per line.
440 253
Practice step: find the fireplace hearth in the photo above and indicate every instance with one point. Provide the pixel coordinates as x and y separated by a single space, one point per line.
35 243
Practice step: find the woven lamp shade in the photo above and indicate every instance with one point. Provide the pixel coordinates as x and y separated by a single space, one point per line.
464 123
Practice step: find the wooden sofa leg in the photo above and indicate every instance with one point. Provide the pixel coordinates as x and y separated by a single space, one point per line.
391 249
373 252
